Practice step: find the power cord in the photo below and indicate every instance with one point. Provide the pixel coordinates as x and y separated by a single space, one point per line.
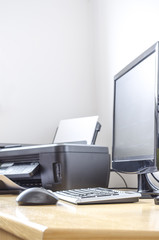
112 170
153 175
126 186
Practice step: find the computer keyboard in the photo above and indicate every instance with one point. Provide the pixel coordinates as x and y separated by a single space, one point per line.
97 195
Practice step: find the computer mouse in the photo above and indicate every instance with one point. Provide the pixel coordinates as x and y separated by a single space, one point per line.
36 196
156 200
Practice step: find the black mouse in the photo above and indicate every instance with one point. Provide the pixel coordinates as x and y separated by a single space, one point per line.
156 200
36 196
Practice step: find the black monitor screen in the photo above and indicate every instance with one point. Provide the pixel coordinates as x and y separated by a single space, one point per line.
134 130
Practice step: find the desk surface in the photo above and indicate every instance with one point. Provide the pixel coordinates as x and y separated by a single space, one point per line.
67 221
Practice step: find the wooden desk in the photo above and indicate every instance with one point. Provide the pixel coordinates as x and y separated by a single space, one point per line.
67 221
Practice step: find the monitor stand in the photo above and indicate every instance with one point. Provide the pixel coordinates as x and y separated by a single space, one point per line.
146 187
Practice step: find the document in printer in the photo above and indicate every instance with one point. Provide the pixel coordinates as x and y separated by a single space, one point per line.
7 184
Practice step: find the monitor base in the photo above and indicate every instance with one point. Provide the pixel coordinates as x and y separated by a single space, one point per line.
146 187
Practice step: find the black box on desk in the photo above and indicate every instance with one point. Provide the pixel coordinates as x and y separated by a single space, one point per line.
60 166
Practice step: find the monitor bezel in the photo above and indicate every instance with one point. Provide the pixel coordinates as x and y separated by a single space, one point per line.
134 165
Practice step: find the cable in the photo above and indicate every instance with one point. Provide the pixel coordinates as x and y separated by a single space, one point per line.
153 186
152 174
148 179
112 170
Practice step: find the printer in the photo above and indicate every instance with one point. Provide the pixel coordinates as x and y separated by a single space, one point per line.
58 166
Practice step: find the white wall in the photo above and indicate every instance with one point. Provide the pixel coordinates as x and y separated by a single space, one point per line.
58 59
45 67
123 30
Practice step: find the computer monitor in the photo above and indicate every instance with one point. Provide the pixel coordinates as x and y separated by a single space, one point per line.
136 119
